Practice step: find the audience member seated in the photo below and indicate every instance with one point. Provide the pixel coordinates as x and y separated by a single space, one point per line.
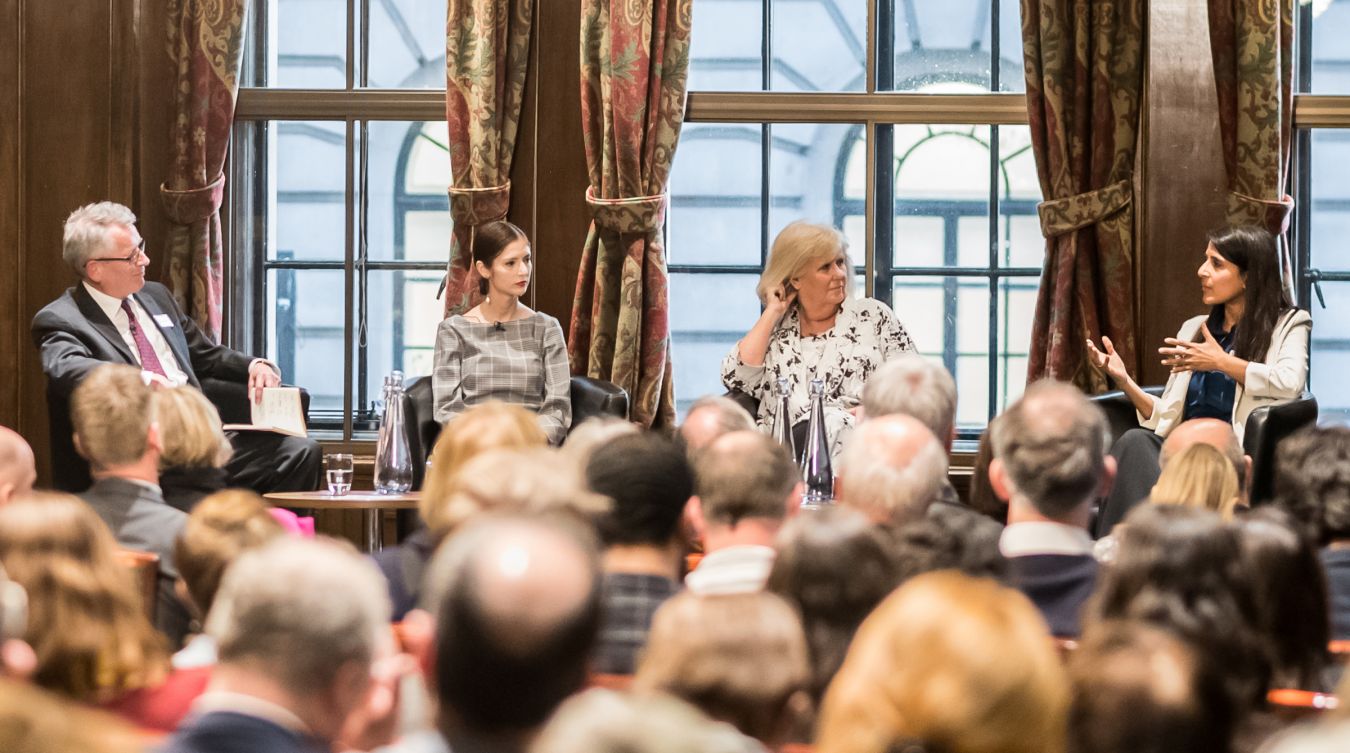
892 470
812 327
294 661
221 527
1291 598
35 721
948 663
949 538
1312 483
1209 431
649 481
192 463
17 659
982 497
86 619
1050 462
18 470
834 566
592 433
915 386
1181 569
1138 689
113 414
512 612
500 349
493 425
710 417
740 658
1199 477
602 721
745 484
114 316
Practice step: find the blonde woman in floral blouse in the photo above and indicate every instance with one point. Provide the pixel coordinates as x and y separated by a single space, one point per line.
813 328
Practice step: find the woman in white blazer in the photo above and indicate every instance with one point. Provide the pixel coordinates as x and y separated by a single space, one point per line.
1250 350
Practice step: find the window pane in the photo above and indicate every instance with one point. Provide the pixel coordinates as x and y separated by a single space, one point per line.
726 49
703 334
308 46
715 187
304 336
402 314
407 210
1330 360
818 45
1011 69
1016 308
1019 227
306 183
406 44
948 318
941 44
941 196
1330 216
1330 46
807 174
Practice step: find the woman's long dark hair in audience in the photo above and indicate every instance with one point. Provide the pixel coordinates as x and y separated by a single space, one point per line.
835 567
1291 595
1255 252
1180 568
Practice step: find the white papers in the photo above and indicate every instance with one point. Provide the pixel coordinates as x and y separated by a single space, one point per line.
279 411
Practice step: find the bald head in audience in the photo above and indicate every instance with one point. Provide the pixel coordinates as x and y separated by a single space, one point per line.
18 469
711 417
891 469
1215 433
517 609
912 385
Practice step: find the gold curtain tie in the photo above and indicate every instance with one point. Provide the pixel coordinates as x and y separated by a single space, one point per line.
193 204
636 214
478 206
1060 216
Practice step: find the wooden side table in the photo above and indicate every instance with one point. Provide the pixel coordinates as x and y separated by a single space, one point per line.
371 504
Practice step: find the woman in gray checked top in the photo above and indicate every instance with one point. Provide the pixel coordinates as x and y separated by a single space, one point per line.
500 349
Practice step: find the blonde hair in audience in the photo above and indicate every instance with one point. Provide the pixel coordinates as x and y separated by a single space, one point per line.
526 481
741 658
112 411
1201 476
35 721
492 425
798 247
86 620
961 664
190 429
221 527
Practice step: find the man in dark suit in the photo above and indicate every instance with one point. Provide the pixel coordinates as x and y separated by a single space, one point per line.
1050 463
114 316
114 427
299 671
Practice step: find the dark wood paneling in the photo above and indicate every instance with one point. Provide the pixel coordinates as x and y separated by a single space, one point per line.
12 326
1183 174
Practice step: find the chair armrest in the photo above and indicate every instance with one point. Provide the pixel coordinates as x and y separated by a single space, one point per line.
1266 426
745 400
596 397
231 400
1120 412
419 425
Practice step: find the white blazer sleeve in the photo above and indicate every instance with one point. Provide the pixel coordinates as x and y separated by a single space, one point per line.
1285 373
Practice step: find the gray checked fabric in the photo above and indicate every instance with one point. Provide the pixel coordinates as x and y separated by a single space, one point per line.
522 362
866 334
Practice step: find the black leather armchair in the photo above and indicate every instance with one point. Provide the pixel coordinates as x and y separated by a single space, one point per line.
590 397
70 471
1266 426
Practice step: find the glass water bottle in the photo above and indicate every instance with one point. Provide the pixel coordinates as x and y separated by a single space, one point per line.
817 473
393 460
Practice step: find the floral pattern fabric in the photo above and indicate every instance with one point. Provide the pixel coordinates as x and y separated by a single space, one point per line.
1252 43
205 44
487 49
634 70
865 335
1084 77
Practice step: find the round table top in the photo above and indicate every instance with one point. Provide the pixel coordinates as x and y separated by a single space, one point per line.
357 499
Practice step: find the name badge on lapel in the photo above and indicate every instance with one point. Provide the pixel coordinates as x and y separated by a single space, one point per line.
163 320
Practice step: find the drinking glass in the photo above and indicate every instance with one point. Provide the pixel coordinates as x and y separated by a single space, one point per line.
339 467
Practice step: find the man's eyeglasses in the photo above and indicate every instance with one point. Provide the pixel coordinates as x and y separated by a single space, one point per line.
130 259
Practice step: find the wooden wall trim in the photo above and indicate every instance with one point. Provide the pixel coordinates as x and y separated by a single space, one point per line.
13 329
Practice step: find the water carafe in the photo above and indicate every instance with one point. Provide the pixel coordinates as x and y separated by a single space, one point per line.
817 472
393 461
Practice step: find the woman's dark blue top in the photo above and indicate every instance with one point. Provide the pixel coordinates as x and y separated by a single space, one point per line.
1211 393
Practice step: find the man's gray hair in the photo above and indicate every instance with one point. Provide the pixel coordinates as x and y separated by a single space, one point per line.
877 487
730 415
915 386
86 231
1053 444
299 610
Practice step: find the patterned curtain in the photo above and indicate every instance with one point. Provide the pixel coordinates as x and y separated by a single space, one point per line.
487 49
205 41
634 68
1252 42
1084 73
